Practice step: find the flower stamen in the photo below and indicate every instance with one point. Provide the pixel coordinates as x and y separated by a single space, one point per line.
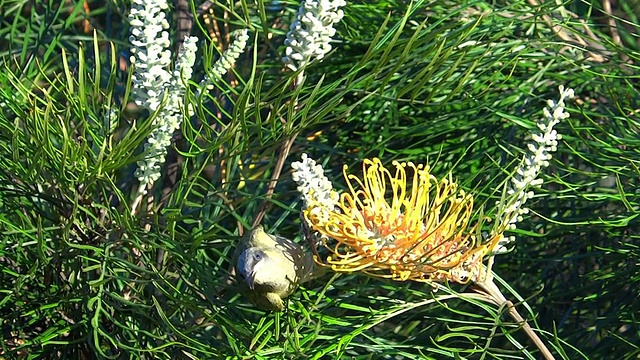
419 233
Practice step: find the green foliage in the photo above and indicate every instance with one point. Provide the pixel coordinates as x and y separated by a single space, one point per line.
458 86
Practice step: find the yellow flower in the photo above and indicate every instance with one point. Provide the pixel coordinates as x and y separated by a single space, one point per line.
420 233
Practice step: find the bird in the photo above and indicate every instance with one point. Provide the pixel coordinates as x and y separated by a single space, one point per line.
271 267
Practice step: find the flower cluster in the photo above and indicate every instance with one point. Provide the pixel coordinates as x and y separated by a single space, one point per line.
227 59
317 191
310 34
169 118
392 226
545 142
151 56
317 195
152 80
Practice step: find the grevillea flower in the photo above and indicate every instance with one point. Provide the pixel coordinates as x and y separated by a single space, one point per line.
150 52
227 60
527 176
169 117
310 35
154 86
393 226
317 191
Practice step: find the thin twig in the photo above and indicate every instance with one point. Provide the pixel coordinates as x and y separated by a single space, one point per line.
284 153
185 22
489 286
576 38
204 7
615 36
139 195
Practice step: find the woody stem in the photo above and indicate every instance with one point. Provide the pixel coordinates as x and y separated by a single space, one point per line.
496 295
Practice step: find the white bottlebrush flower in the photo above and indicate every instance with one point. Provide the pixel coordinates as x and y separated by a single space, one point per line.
227 60
314 187
151 56
317 194
545 142
169 117
310 34
186 60
152 80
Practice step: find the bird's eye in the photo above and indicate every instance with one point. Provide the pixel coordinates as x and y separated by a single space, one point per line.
257 256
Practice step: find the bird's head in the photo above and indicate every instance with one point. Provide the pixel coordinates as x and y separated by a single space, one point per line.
250 264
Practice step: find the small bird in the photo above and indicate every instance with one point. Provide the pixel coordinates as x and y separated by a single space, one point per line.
272 267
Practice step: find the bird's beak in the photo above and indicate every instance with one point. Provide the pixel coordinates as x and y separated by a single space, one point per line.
251 279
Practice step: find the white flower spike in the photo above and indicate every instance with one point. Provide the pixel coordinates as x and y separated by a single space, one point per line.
227 60
545 143
152 79
310 34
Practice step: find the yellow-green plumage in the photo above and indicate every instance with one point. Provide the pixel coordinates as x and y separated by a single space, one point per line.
271 267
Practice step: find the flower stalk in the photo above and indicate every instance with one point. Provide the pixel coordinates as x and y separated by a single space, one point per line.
495 295
168 117
226 61
510 212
